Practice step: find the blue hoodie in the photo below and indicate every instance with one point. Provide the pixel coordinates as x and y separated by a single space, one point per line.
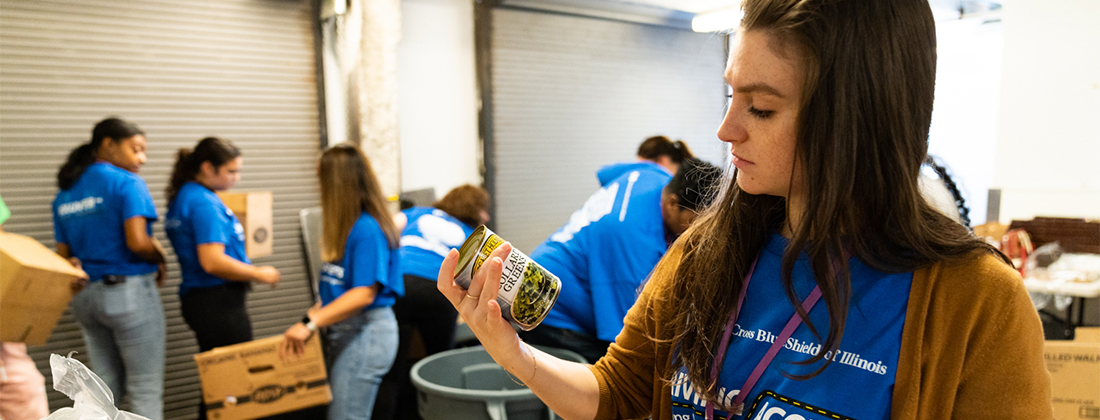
607 249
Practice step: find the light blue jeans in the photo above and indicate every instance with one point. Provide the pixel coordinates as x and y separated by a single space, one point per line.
362 349
124 331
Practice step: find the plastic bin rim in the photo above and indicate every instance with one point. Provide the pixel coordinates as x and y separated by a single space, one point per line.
464 394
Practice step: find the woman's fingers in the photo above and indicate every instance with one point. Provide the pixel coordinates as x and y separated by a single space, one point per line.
490 277
487 275
445 282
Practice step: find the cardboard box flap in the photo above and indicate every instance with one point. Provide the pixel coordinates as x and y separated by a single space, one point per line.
1086 335
32 254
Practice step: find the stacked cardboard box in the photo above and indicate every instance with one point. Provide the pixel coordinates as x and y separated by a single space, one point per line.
250 380
1075 375
254 211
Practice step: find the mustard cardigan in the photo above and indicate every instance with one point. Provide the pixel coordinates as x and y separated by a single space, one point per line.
971 348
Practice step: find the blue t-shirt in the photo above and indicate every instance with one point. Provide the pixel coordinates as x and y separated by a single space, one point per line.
859 383
607 249
429 234
198 217
89 217
368 259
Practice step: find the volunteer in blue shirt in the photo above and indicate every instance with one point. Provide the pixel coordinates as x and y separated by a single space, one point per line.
360 280
209 242
103 217
611 244
427 234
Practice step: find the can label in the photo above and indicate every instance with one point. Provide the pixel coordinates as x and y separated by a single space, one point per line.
527 290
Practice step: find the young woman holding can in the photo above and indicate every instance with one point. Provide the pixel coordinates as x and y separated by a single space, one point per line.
360 280
103 217
827 125
209 243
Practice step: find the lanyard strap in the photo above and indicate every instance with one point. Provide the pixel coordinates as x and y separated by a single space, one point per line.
779 342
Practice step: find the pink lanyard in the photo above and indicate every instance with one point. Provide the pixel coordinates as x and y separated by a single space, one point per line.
794 322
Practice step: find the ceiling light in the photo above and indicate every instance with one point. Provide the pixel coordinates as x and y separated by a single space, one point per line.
717 20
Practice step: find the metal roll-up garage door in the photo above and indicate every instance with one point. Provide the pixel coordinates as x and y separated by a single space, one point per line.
573 93
243 70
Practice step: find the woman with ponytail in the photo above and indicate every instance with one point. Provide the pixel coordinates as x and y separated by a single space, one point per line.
103 218
820 284
209 242
360 281
662 151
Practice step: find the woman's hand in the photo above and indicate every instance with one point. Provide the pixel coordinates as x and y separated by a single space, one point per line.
479 308
77 284
294 340
162 274
267 275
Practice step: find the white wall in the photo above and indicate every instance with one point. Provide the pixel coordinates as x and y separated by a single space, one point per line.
963 135
1048 143
437 94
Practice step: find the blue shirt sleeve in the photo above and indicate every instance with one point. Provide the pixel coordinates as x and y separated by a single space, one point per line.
136 200
369 259
207 222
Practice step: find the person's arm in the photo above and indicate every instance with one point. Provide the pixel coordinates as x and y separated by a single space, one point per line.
140 242
145 246
400 220
568 388
343 307
1004 374
213 260
66 252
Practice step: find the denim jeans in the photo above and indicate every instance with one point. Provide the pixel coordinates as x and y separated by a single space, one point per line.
362 349
124 331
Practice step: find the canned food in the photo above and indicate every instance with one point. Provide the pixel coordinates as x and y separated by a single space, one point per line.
527 291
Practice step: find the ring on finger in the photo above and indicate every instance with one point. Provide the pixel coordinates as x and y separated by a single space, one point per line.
472 296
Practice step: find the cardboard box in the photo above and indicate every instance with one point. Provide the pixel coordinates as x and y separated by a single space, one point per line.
34 289
254 211
1075 375
250 380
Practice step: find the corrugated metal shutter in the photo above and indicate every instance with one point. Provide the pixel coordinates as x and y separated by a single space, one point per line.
239 69
571 94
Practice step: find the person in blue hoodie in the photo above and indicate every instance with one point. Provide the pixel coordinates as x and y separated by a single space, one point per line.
103 216
427 234
209 242
360 281
610 245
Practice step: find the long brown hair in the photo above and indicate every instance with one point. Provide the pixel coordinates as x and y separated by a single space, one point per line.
349 188
870 69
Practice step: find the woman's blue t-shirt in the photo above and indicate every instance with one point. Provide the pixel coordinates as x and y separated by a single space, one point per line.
368 259
428 236
198 217
859 383
90 218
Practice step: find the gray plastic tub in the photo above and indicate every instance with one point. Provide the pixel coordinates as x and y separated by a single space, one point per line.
466 384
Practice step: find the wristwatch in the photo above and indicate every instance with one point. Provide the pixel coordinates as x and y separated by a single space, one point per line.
310 325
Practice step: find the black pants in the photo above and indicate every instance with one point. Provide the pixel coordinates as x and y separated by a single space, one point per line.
423 308
588 346
218 317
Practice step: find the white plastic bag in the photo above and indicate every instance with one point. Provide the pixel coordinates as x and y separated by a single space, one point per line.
92 400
